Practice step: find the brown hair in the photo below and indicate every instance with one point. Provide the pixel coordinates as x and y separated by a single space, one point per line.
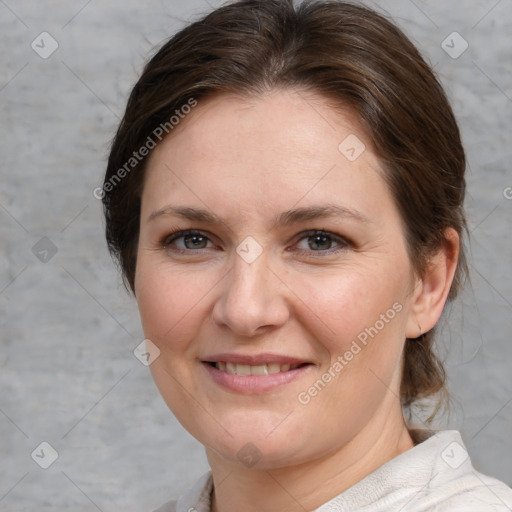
346 53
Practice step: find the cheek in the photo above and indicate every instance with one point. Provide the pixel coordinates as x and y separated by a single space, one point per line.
348 302
169 302
362 318
359 321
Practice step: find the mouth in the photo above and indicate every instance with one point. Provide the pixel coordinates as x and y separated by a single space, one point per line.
254 374
260 369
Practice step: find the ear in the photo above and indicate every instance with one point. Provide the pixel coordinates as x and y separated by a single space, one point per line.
431 292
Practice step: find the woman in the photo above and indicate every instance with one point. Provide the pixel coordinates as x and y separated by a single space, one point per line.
285 197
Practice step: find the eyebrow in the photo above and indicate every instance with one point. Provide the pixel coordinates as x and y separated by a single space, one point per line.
286 218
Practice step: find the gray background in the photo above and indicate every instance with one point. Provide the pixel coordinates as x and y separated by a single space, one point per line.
68 375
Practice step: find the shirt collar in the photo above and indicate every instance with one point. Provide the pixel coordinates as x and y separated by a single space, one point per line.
198 498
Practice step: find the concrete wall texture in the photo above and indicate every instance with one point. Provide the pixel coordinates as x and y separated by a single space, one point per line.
68 329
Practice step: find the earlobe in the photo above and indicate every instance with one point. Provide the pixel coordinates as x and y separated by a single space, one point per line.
432 291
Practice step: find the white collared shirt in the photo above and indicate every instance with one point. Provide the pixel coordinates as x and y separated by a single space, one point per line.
435 475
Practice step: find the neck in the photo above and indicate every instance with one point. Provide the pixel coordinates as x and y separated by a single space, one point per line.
309 485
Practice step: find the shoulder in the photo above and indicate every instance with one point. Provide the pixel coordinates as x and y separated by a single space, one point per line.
436 475
454 485
473 493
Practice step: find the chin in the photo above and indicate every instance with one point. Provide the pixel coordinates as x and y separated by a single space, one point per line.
258 441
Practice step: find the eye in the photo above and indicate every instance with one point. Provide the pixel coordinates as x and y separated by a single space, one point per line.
314 241
186 240
322 242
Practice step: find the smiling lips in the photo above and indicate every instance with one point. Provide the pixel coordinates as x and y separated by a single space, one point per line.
256 373
260 364
251 375
260 369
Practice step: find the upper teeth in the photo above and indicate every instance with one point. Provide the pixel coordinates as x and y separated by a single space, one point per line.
261 369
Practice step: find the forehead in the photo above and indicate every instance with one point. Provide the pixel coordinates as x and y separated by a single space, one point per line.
277 120
270 151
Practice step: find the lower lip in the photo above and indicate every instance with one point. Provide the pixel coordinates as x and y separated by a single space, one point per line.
254 384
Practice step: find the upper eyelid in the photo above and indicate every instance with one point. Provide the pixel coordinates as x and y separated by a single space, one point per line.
184 232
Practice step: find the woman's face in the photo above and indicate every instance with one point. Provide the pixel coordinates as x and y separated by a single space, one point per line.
289 269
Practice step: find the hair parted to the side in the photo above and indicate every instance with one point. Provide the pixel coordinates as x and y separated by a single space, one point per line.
346 53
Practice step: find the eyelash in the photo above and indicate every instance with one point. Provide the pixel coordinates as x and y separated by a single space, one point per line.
169 238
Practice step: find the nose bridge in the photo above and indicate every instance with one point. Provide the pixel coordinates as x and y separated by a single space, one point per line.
248 278
250 297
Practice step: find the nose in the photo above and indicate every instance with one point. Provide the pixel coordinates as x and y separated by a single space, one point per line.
252 299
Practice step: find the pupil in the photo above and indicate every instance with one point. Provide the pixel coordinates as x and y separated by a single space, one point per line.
319 240
196 240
